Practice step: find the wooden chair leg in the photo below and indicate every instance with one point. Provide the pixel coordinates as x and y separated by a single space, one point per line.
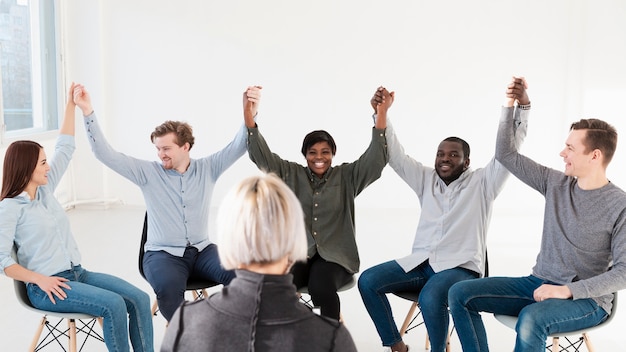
588 342
407 320
555 344
37 336
72 331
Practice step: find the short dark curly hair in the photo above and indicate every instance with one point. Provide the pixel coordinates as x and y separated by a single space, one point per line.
316 137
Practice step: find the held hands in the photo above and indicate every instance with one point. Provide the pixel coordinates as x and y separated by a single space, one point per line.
251 100
516 91
53 286
546 291
382 100
82 99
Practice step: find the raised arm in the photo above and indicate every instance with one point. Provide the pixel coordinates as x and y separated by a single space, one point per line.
68 126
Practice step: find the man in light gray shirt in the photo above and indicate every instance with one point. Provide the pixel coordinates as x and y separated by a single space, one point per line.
450 239
582 259
177 192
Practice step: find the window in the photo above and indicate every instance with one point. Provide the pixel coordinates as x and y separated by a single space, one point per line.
29 65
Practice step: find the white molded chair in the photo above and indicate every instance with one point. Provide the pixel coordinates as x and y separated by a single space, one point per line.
570 345
55 333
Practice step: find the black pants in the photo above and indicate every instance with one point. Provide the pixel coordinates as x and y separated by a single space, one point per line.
322 279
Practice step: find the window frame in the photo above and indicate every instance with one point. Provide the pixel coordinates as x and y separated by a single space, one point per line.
46 73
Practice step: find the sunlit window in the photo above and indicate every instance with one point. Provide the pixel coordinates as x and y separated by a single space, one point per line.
29 65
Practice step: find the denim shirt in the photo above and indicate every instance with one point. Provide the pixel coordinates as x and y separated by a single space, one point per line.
177 204
40 228
327 202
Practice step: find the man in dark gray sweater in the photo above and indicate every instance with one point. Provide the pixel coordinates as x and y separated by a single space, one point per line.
582 259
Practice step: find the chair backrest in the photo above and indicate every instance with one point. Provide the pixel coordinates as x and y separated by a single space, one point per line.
144 238
613 309
20 286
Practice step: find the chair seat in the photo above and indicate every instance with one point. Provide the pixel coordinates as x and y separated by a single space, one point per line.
508 320
20 289
408 295
54 333
199 284
511 322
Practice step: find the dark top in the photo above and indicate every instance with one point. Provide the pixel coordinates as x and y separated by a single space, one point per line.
254 313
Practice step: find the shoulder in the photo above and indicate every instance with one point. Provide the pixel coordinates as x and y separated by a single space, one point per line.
9 206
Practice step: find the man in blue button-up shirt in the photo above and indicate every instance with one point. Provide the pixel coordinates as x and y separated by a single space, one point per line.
177 192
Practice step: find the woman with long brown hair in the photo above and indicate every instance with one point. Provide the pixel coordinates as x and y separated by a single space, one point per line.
48 260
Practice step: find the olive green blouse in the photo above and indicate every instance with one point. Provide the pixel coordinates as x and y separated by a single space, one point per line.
327 202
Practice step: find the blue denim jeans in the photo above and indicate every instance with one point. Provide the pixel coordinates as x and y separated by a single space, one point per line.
514 296
119 303
167 274
376 282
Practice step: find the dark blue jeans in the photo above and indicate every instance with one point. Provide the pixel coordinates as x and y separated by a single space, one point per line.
168 274
514 296
376 282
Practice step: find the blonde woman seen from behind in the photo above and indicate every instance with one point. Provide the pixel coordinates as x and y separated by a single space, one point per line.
261 234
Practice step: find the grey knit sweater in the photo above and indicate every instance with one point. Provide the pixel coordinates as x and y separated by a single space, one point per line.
584 231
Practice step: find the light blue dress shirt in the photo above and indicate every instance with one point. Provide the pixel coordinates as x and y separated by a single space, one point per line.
177 204
40 228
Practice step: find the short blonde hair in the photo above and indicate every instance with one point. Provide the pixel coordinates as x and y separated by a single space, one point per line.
260 221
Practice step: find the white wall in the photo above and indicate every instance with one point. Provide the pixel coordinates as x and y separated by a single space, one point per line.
146 61
319 63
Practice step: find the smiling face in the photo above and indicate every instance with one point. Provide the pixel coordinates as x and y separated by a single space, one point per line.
173 156
40 174
450 161
575 154
319 157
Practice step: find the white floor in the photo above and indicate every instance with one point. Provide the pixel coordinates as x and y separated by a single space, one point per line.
109 239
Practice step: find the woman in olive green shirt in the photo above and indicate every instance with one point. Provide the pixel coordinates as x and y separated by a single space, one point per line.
327 195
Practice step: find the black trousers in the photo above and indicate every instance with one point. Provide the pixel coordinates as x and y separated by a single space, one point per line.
323 279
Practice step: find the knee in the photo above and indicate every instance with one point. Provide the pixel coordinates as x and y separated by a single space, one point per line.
143 299
365 281
321 289
432 300
114 307
457 293
168 290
